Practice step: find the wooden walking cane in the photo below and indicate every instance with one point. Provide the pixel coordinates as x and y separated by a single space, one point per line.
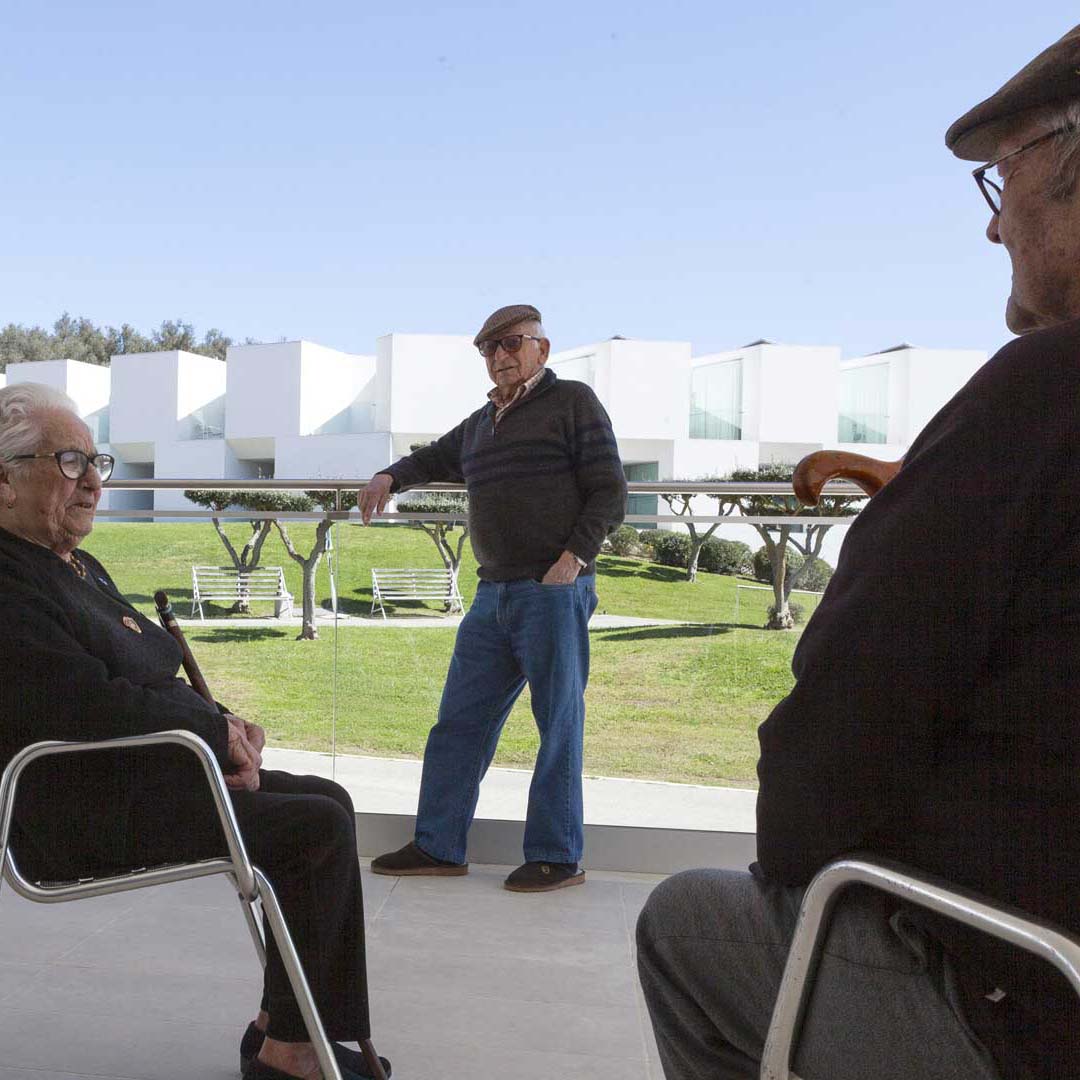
817 469
191 668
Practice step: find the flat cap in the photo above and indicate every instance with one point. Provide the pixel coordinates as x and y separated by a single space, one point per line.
505 317
1052 78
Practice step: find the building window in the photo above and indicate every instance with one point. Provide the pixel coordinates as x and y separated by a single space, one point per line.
582 368
642 504
716 401
864 404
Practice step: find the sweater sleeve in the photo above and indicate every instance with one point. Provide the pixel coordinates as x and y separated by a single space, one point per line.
600 477
439 462
54 689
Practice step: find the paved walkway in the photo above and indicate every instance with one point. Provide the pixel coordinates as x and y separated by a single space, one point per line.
325 620
390 786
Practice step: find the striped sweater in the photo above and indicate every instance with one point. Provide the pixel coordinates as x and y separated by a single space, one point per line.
548 479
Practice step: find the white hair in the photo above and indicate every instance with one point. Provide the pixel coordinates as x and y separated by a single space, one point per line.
21 406
1065 119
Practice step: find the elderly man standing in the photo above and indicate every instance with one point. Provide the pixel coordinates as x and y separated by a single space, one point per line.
545 487
935 717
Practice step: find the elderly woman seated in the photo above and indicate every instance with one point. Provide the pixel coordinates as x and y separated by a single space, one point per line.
79 662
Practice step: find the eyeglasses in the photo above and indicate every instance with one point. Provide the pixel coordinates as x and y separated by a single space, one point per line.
992 191
511 343
74 463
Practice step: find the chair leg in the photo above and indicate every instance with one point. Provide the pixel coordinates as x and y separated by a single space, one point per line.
304 999
372 1059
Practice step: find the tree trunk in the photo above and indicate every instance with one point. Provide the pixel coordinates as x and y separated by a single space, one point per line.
781 617
309 564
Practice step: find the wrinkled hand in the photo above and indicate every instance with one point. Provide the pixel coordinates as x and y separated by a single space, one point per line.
374 495
564 570
244 757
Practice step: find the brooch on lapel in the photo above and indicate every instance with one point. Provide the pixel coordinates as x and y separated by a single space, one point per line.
131 624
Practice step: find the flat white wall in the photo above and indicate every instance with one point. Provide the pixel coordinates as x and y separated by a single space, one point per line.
332 457
144 400
427 382
200 395
263 390
699 458
336 391
191 459
86 384
648 391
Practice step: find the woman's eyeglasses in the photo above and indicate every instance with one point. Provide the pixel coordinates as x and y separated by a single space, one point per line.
74 463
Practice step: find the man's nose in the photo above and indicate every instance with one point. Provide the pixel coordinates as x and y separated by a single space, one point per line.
92 478
992 233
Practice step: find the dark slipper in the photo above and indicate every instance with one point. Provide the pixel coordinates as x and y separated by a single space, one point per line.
352 1062
543 877
412 860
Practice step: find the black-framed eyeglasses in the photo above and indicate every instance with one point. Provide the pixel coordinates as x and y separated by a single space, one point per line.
74 463
991 190
511 343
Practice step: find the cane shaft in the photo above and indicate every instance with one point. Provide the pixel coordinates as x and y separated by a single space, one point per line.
191 667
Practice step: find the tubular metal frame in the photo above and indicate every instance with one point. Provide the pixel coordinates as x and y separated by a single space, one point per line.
1009 924
250 882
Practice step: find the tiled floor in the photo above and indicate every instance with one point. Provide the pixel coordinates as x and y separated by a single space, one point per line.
467 980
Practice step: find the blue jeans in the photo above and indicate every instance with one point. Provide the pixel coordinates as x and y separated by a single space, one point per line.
515 632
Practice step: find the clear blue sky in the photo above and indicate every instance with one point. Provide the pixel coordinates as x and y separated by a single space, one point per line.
337 170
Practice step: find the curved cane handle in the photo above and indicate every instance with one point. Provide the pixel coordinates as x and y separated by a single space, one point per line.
817 469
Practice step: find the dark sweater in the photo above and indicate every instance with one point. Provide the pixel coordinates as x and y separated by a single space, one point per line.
546 479
935 714
71 669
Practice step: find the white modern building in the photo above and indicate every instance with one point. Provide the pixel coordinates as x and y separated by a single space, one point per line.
301 410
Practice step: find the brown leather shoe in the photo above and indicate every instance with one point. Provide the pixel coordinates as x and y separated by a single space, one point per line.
412 861
543 877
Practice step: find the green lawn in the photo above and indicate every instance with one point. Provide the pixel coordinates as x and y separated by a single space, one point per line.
673 703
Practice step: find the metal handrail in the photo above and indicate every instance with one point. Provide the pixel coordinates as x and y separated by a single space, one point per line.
635 487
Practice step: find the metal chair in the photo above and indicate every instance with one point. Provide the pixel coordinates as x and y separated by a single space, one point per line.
249 881
1041 938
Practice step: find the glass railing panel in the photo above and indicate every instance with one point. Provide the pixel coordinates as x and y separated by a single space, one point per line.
247 648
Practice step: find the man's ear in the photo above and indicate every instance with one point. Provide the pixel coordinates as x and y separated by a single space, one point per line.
545 348
7 491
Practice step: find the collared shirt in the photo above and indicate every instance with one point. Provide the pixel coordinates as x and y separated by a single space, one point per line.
504 405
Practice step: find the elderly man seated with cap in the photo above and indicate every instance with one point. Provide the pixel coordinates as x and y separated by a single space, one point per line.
545 487
934 720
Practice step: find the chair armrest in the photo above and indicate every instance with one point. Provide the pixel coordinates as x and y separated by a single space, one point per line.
238 853
1009 924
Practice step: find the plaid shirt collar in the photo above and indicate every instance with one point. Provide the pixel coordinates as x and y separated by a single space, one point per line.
504 404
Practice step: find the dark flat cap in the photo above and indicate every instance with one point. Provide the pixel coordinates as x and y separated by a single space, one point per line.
505 317
1052 78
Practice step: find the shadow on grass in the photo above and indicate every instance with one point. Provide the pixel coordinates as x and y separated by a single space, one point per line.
176 596
653 633
254 633
649 572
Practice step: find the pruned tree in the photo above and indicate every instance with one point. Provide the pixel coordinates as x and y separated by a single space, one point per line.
279 502
247 558
777 537
680 501
309 563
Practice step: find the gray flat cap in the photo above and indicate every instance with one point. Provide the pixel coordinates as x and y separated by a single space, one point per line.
505 317
1052 78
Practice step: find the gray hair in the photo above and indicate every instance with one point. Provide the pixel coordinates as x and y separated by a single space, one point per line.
20 422
1066 149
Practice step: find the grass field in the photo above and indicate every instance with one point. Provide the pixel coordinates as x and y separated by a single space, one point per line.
664 702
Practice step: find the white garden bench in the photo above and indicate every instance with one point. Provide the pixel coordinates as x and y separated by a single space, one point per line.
229 585
407 584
